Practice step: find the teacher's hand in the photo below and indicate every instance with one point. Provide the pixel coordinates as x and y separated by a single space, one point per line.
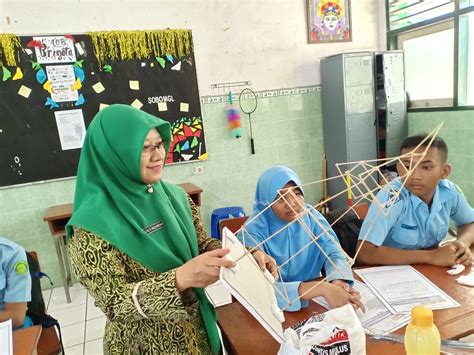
202 270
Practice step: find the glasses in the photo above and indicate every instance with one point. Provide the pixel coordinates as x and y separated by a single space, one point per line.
150 148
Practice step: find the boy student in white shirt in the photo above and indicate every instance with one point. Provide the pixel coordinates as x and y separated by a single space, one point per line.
419 218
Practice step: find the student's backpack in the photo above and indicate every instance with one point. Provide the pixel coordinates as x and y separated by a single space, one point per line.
36 308
347 228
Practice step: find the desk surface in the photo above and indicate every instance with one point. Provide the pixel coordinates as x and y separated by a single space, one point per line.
246 336
26 340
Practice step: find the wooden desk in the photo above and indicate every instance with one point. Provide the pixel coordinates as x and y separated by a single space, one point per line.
244 335
58 216
26 340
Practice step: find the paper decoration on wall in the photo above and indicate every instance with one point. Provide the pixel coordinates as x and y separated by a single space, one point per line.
162 106
35 65
77 85
107 68
18 74
161 61
203 156
41 76
80 100
134 85
78 63
47 86
101 106
34 43
176 67
79 48
186 133
184 107
71 37
79 73
24 91
49 102
98 87
170 58
28 51
137 104
7 74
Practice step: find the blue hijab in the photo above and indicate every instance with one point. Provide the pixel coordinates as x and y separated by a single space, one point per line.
306 265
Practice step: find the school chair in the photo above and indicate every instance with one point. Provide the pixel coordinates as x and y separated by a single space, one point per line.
48 343
233 224
223 213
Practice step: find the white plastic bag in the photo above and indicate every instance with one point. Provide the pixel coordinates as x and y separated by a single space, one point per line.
335 332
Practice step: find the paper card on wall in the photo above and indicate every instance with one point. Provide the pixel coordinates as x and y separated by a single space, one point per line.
55 49
62 79
137 104
24 91
71 128
98 87
162 106
18 74
79 48
134 85
176 67
101 106
28 51
184 107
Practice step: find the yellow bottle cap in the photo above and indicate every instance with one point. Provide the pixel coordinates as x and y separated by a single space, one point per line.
422 316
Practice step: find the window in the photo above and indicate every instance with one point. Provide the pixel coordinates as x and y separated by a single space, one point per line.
437 37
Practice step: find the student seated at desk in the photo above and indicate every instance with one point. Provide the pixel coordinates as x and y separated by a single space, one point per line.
307 265
419 218
15 284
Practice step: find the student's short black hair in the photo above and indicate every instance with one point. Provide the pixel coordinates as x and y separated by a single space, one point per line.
438 142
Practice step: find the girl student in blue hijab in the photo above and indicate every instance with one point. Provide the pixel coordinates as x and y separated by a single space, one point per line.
298 274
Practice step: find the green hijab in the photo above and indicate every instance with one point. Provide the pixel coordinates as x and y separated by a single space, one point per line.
156 229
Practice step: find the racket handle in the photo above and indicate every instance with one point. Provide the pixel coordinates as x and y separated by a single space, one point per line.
252 145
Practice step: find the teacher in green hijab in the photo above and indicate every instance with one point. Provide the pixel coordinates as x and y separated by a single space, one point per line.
137 243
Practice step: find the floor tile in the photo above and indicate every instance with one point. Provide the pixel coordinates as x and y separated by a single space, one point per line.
93 311
70 315
58 298
93 347
75 350
73 334
95 329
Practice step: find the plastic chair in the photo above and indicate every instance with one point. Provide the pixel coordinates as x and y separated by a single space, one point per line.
223 213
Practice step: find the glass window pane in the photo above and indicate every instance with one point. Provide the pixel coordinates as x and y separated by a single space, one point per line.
466 3
466 56
409 12
429 70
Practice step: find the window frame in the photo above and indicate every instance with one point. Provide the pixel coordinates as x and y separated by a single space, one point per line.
430 26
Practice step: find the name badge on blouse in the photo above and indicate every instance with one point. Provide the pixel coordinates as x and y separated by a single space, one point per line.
154 227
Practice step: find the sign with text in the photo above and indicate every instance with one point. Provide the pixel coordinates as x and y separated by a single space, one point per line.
54 49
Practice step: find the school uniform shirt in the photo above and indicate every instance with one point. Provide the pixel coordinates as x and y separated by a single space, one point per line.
410 223
15 279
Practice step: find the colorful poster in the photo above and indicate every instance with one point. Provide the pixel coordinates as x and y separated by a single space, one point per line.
329 21
62 80
54 49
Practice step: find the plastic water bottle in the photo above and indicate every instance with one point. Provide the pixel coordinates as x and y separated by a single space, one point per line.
422 335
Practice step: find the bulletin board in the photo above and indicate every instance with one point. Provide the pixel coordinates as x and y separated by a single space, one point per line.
52 86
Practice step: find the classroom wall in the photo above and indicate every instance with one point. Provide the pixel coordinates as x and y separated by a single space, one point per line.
458 132
262 41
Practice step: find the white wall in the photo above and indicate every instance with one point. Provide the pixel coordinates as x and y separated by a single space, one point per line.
264 41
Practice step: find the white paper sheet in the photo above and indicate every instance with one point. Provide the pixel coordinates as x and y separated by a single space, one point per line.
377 319
71 128
402 287
6 338
62 79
